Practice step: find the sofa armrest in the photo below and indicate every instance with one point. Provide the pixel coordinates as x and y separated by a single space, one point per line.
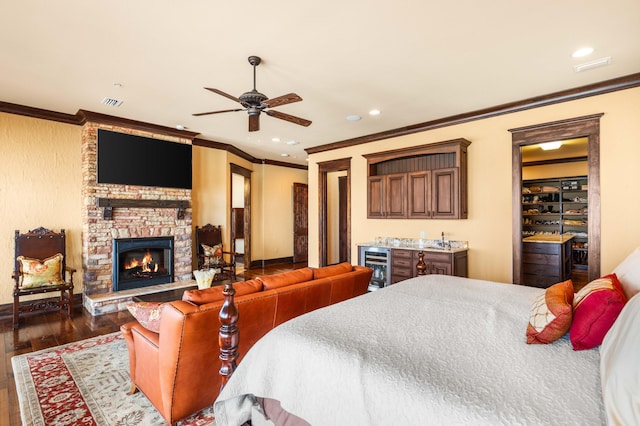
188 354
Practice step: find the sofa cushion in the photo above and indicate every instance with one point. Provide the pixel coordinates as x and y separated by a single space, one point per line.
328 271
214 294
269 282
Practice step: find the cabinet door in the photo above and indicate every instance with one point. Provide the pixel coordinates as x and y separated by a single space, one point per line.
444 193
396 195
440 268
376 197
419 184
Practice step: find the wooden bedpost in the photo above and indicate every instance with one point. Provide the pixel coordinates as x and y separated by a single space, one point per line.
228 336
421 266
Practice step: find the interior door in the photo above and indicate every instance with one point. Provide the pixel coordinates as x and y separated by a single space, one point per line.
342 220
300 222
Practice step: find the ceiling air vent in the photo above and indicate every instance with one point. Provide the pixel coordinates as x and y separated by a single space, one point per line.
593 64
112 102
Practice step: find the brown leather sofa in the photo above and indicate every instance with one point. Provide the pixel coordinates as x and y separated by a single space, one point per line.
178 368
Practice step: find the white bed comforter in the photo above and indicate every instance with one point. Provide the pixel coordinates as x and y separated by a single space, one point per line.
433 350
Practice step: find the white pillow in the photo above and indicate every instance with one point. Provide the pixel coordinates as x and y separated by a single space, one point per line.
628 272
620 369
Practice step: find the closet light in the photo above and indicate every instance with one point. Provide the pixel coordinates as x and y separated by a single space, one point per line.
547 146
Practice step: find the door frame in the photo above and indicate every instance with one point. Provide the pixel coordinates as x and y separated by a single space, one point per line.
246 173
343 164
586 126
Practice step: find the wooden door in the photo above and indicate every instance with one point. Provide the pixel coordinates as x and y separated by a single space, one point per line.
419 187
300 222
396 195
376 204
444 196
343 252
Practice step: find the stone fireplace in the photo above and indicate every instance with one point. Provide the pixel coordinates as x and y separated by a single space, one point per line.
114 213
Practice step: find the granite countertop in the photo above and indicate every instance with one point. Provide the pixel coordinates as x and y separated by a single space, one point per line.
405 246
553 239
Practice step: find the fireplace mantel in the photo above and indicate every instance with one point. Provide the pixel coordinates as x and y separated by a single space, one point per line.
110 203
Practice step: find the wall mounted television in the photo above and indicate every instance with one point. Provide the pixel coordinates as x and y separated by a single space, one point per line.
137 160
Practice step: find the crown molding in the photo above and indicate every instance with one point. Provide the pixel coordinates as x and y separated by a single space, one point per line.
613 85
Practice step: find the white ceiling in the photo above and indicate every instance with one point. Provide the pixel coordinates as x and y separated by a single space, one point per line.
415 60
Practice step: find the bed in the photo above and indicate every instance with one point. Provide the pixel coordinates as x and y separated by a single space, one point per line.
431 350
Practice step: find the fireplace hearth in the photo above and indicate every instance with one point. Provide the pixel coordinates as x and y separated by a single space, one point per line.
142 262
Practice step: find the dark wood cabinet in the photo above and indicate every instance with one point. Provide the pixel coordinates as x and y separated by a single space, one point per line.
404 261
424 182
388 196
546 260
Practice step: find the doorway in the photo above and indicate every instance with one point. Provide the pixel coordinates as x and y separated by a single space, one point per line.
327 172
240 210
586 128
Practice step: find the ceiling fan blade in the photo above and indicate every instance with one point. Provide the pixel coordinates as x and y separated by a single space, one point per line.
287 117
254 123
221 93
216 112
282 100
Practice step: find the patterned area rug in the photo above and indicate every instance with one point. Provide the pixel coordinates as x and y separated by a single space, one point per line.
85 383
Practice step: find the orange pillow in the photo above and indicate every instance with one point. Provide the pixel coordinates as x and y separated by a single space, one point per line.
595 308
551 314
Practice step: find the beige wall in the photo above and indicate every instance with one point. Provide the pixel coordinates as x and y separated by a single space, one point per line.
40 185
488 228
273 235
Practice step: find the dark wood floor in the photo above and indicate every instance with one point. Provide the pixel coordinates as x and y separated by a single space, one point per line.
44 331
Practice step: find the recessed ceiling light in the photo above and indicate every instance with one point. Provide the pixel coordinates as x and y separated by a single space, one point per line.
374 112
547 146
292 142
353 117
180 127
284 154
275 139
582 52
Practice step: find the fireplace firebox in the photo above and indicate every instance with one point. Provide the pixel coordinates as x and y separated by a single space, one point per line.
142 262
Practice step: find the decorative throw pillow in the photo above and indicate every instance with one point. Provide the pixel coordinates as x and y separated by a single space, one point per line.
39 273
148 314
595 308
628 273
551 314
213 254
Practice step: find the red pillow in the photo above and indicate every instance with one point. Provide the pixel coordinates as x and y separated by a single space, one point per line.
595 308
551 314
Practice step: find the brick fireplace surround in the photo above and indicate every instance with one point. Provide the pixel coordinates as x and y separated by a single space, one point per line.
126 222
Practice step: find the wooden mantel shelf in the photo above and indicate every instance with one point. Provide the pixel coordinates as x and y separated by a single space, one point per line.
110 203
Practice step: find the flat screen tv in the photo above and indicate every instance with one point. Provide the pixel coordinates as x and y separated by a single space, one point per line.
136 160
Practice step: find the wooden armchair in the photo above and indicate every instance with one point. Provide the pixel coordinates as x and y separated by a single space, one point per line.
40 267
211 254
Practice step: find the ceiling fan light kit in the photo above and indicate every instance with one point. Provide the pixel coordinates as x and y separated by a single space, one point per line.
254 103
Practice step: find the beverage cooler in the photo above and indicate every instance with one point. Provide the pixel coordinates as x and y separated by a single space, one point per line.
378 259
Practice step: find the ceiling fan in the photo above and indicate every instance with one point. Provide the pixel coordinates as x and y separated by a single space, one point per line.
255 102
